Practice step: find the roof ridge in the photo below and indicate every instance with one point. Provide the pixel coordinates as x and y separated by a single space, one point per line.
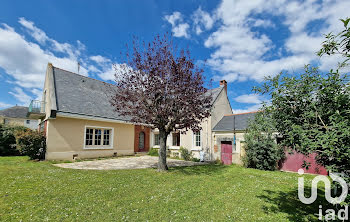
243 113
82 75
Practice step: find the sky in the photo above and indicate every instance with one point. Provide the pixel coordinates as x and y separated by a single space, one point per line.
236 40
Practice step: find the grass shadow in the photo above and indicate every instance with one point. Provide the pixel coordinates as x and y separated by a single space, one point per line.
289 203
208 169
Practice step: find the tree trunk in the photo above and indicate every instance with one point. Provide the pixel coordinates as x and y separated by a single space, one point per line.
162 166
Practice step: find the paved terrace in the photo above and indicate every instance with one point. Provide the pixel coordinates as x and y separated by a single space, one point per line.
141 162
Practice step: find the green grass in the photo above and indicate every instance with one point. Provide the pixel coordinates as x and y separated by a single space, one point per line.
39 191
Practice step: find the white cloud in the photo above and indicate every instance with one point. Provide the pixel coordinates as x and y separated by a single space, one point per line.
174 18
100 59
249 98
241 53
4 105
25 61
248 109
263 23
21 96
179 28
202 20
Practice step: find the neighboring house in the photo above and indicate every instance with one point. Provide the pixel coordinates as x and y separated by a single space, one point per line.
202 140
228 135
17 115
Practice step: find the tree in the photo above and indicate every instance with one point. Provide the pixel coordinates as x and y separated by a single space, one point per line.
161 86
338 44
262 151
312 114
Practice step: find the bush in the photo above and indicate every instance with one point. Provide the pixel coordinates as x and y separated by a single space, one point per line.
8 140
195 159
262 151
185 154
31 143
153 152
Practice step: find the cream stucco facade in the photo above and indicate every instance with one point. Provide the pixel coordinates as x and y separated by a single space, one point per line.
221 107
66 139
238 151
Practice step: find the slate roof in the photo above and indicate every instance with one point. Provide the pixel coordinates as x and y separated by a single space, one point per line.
77 94
15 112
215 93
241 122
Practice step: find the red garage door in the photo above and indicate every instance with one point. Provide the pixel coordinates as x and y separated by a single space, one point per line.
226 152
294 161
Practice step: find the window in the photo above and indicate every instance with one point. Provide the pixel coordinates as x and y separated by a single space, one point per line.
97 137
106 134
156 139
176 139
197 138
89 137
141 140
28 121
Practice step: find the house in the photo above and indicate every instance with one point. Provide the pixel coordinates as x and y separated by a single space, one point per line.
201 140
17 115
228 135
79 121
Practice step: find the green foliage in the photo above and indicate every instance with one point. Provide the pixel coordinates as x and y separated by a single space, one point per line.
153 152
31 143
194 159
262 151
338 43
312 114
185 154
8 140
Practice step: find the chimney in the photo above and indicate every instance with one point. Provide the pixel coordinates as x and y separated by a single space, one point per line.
224 84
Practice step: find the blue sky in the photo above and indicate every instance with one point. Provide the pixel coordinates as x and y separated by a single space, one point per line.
241 41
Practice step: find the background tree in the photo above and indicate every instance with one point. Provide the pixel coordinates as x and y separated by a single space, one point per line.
161 86
338 43
312 110
262 151
312 114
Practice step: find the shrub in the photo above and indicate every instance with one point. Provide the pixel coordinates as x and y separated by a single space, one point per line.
8 140
185 154
31 143
153 152
194 159
262 151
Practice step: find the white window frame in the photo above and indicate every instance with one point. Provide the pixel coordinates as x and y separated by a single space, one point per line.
194 147
99 147
172 140
154 138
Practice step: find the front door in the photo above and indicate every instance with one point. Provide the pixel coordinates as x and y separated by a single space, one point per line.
141 141
226 152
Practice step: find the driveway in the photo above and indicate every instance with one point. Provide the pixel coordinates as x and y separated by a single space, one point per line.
125 163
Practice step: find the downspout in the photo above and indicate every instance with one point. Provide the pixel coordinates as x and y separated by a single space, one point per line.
234 132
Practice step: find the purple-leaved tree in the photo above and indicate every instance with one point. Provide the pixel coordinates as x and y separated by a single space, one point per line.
161 86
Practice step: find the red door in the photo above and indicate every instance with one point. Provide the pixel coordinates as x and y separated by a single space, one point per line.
226 152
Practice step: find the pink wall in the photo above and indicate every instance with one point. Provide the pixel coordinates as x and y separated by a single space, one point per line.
294 161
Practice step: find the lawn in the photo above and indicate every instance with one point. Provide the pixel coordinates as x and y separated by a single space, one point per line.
39 191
